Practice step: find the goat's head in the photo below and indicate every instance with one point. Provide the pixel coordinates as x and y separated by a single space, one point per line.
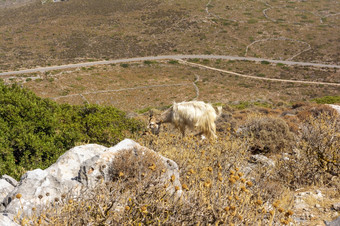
154 124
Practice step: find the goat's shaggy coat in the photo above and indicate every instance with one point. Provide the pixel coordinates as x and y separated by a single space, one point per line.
193 114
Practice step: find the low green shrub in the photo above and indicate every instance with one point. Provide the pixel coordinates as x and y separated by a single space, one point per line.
265 62
327 100
34 131
124 65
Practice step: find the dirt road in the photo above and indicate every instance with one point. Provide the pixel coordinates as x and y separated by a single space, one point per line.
165 57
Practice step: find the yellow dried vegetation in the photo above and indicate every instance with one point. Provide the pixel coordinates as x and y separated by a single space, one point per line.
215 189
218 184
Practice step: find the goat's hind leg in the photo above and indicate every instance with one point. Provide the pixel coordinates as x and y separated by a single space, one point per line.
200 134
182 129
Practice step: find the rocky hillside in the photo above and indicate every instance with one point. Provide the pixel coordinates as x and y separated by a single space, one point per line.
80 30
264 167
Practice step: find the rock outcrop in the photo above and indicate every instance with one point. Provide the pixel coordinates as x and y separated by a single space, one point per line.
81 167
335 107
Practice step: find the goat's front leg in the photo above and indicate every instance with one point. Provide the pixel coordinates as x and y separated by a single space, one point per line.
182 129
198 134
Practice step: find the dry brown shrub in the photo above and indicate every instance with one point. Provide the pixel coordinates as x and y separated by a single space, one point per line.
268 135
317 157
226 124
316 111
299 105
132 166
293 123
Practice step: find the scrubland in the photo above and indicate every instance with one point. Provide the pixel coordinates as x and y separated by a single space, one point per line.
222 183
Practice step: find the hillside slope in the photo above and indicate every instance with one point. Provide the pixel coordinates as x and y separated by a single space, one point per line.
78 30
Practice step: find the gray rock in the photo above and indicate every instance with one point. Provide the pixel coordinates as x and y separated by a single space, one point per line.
52 182
10 180
262 160
336 206
79 168
6 219
5 189
336 222
285 157
318 194
335 107
300 205
99 167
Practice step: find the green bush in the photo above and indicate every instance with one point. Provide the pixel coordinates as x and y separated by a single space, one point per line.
173 61
124 65
148 62
34 132
241 105
327 100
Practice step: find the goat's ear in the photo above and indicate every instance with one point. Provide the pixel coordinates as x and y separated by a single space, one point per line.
150 113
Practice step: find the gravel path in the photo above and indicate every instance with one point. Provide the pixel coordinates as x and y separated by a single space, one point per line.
165 57
118 90
259 78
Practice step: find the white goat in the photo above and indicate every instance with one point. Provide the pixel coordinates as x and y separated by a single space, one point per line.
193 114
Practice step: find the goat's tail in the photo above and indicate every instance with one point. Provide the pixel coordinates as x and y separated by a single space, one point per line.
219 111
206 124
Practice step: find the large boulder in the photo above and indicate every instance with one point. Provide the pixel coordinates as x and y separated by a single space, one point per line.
43 186
120 159
83 167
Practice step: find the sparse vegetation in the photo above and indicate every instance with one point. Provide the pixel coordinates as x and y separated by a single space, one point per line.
148 62
181 23
173 61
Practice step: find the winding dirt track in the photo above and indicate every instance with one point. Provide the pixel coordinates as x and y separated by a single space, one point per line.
259 78
182 58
